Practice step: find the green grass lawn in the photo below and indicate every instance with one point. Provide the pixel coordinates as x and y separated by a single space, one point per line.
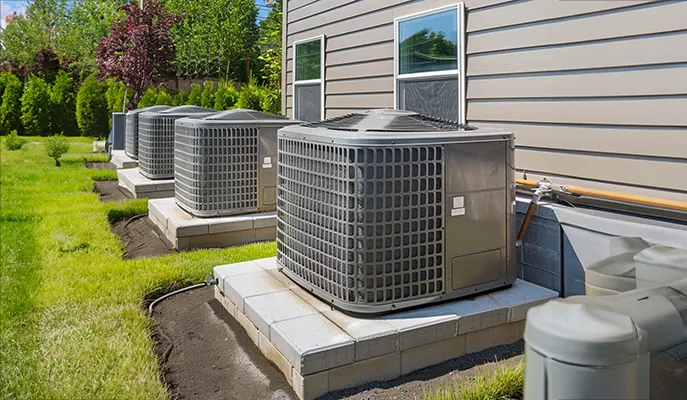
71 317
502 383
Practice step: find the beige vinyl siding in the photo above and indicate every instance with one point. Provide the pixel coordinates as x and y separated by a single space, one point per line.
595 91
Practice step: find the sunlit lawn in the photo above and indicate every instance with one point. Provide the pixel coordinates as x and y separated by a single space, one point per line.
71 318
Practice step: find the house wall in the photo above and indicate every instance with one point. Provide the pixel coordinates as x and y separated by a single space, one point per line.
595 91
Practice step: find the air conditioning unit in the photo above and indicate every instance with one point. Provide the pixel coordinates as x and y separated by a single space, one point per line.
156 139
226 164
131 142
387 209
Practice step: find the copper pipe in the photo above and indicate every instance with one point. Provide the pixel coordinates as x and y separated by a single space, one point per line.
526 221
625 197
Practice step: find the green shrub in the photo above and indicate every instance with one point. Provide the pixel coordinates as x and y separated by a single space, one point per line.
148 99
250 96
91 108
63 106
226 96
194 96
14 142
2 85
10 110
115 95
163 98
56 146
180 99
271 101
207 98
35 107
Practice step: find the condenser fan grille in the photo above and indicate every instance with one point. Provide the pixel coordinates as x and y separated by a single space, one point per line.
363 225
131 140
216 169
156 147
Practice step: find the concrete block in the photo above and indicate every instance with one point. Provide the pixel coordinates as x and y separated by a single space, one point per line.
478 313
278 275
240 287
122 161
544 233
226 303
373 337
311 386
265 310
154 210
267 234
381 368
183 243
268 263
187 227
265 220
433 353
166 186
275 357
231 224
222 271
251 329
541 277
494 336
541 257
573 287
312 343
520 297
423 325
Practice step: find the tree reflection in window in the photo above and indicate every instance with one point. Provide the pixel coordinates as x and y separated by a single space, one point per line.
308 60
429 43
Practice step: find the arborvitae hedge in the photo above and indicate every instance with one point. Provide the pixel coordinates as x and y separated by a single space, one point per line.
226 96
35 107
194 96
63 106
148 99
91 109
180 99
271 101
207 98
10 109
163 98
250 96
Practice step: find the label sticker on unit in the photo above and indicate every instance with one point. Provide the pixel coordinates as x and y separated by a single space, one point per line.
267 162
267 165
459 202
457 211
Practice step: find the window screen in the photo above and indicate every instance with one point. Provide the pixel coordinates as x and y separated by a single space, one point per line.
437 97
308 102
429 62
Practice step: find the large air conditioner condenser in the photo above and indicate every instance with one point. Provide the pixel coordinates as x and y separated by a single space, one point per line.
131 140
156 139
226 163
387 209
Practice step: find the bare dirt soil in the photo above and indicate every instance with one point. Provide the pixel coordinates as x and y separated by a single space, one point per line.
141 238
206 354
111 191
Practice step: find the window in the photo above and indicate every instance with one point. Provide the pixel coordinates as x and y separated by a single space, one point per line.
429 63
308 82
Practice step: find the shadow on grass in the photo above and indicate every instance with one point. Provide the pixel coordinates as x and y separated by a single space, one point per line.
124 210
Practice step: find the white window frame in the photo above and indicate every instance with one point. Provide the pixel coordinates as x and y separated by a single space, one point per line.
459 73
309 81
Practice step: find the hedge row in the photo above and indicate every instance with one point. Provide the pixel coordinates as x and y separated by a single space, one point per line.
36 108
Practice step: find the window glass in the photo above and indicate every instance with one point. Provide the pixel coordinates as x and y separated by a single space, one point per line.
308 60
428 43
